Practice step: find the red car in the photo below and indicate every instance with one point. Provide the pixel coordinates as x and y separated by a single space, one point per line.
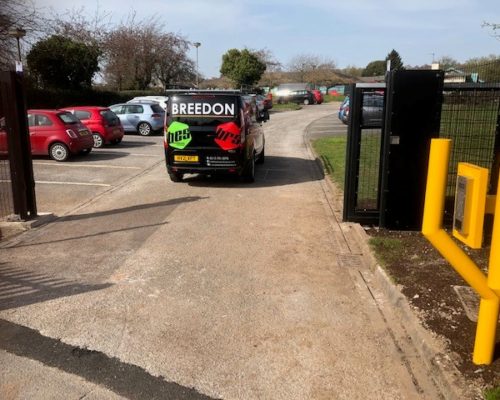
101 121
318 96
58 133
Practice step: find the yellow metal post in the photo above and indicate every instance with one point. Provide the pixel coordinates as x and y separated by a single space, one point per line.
468 270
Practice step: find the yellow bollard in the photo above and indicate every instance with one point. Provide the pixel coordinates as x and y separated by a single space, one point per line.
432 229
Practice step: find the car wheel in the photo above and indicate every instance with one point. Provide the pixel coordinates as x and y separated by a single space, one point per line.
249 173
84 152
306 102
59 152
98 140
144 129
261 158
175 176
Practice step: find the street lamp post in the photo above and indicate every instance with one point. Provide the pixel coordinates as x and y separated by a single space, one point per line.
18 33
197 44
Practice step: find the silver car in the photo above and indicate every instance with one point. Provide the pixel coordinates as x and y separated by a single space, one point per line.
141 117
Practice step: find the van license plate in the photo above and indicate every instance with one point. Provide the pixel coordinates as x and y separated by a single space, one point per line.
186 158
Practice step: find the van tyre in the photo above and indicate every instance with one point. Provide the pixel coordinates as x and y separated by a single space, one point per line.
261 158
249 173
144 129
59 152
175 176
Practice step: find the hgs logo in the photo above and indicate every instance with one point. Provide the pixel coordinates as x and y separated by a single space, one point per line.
228 136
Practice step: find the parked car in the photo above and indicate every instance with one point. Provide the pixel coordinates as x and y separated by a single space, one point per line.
260 102
58 133
268 101
212 132
294 93
144 117
161 100
344 111
101 121
372 110
318 96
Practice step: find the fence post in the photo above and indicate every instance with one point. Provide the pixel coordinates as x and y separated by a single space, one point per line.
21 166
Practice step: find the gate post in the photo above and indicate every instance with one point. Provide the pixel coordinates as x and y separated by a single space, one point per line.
19 148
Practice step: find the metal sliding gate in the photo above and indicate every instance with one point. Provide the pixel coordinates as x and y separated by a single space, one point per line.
387 148
363 161
388 143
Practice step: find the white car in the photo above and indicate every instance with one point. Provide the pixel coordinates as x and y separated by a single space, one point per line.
161 100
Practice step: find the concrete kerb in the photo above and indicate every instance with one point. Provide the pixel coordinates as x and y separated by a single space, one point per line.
444 373
12 227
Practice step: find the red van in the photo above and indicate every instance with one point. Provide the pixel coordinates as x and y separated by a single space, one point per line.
101 121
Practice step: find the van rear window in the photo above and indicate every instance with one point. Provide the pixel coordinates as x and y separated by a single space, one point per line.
206 109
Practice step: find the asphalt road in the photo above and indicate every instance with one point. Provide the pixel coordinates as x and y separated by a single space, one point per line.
209 288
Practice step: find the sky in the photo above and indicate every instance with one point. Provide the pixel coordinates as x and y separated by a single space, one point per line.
350 32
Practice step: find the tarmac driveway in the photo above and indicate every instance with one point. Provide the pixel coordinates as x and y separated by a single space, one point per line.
210 288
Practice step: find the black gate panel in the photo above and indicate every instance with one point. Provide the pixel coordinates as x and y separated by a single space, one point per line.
414 100
364 144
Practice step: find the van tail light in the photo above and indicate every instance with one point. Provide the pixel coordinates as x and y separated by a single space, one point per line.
71 133
228 136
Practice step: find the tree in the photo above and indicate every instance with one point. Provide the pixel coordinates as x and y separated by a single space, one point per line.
15 14
375 68
242 67
495 29
173 66
60 62
139 54
311 68
395 59
446 62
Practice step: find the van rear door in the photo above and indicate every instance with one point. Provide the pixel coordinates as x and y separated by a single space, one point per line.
203 121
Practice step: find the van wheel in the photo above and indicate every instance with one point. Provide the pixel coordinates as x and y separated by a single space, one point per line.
98 140
59 152
144 129
249 173
261 158
175 176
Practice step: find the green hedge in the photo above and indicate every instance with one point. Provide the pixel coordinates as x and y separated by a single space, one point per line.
57 98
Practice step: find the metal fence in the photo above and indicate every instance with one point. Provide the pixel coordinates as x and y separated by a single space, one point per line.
470 117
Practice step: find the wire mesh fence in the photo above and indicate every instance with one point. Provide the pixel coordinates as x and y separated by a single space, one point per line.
469 117
369 162
480 71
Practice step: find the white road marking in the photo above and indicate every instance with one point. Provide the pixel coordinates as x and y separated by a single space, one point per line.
85 165
129 154
73 183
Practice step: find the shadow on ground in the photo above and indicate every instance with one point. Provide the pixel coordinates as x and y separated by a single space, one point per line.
276 171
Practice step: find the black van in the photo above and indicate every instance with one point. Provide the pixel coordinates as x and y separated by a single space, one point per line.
212 132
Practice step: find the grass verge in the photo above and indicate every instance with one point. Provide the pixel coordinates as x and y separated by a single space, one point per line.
286 107
492 394
331 151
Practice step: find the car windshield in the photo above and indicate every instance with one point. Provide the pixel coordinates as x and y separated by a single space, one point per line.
203 110
68 118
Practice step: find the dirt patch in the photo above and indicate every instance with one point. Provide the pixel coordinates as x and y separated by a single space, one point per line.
429 282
